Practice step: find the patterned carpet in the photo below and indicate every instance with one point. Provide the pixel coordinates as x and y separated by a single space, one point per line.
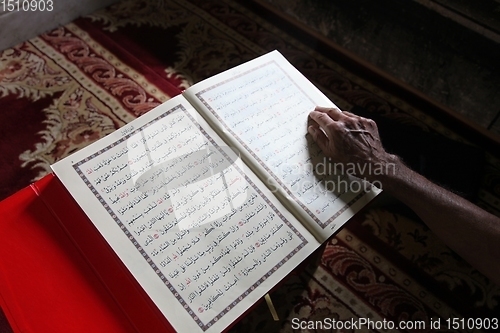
71 86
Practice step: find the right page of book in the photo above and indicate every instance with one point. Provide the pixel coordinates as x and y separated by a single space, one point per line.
261 108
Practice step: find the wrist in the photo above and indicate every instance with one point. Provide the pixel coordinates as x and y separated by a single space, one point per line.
396 174
387 170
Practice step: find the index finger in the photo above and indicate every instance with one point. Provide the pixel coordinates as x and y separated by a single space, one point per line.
334 113
322 120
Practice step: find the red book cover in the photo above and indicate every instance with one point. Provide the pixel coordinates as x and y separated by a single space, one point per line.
59 275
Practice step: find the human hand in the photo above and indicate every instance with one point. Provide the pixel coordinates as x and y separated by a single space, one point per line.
348 138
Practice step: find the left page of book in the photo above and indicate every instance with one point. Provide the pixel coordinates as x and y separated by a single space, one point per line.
200 232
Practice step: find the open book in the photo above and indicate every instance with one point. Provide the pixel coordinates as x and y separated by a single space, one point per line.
213 197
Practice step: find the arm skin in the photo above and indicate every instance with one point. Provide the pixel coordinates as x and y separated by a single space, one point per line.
467 229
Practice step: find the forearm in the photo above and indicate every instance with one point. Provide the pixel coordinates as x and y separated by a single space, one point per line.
467 229
464 227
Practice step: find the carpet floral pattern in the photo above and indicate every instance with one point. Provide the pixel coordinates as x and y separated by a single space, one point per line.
77 83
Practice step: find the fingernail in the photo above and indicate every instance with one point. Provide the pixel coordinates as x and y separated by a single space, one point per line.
311 130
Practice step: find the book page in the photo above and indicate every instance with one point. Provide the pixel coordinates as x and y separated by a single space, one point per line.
200 232
262 107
